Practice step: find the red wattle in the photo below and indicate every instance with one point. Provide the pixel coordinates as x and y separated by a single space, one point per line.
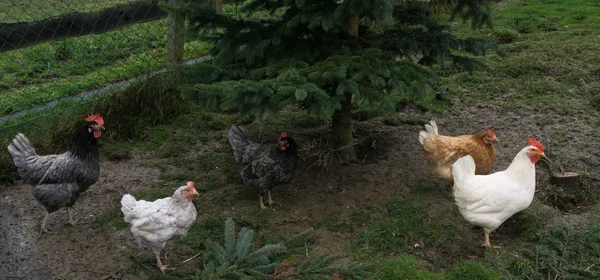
534 159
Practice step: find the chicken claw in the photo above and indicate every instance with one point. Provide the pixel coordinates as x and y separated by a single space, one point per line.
71 220
43 226
164 268
271 201
260 203
160 265
487 242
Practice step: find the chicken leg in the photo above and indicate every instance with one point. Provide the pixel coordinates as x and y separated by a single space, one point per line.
44 221
71 220
260 202
270 201
487 241
159 264
70 214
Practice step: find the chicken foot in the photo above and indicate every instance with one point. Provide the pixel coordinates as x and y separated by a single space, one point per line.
44 221
160 265
71 220
260 203
487 241
43 228
271 202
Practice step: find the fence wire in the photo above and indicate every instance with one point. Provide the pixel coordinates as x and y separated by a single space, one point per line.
58 56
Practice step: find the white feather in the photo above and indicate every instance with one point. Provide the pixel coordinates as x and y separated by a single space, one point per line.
489 200
155 222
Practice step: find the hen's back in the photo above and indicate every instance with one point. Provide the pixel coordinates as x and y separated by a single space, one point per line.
31 167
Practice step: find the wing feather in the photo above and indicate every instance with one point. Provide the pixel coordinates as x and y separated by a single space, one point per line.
56 196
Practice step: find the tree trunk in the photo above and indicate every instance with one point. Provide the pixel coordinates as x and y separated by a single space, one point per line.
342 131
352 27
341 124
570 182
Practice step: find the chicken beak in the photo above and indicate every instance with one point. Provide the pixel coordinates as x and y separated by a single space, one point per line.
101 127
496 140
196 193
542 154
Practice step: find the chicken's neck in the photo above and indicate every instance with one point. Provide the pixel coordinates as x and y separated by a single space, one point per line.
85 147
178 202
521 169
290 152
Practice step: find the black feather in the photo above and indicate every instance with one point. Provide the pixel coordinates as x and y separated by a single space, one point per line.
263 166
58 180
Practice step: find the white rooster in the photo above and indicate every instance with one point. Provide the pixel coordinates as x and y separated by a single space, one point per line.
489 200
153 223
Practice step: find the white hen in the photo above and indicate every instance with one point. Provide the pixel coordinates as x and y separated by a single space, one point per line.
489 200
153 223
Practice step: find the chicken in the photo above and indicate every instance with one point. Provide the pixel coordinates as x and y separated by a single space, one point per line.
489 200
442 151
153 223
58 180
264 166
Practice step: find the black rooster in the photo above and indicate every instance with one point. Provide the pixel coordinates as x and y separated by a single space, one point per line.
264 166
58 180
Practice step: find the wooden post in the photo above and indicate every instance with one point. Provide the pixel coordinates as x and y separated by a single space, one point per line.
218 5
175 44
352 26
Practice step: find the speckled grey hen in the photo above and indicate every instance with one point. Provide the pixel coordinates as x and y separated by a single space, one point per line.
264 166
58 180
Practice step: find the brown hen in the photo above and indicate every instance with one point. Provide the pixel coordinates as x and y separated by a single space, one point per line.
442 151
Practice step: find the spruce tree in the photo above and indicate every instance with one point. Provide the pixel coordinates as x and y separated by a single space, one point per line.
328 56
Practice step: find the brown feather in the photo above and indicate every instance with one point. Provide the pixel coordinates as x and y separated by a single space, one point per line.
442 151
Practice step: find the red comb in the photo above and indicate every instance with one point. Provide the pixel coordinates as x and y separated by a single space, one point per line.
536 143
281 136
97 118
491 132
190 184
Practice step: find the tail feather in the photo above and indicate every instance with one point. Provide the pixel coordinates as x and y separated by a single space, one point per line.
238 142
128 202
21 147
463 169
430 128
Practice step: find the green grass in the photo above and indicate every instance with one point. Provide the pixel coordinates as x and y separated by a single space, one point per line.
561 252
551 63
406 267
410 220
52 70
552 66
561 12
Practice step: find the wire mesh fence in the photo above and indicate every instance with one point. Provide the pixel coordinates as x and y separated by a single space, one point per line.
58 56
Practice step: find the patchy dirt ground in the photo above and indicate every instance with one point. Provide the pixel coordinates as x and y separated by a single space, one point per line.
89 251
86 251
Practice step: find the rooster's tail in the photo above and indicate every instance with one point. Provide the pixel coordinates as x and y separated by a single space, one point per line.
127 204
21 148
463 169
238 142
430 128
